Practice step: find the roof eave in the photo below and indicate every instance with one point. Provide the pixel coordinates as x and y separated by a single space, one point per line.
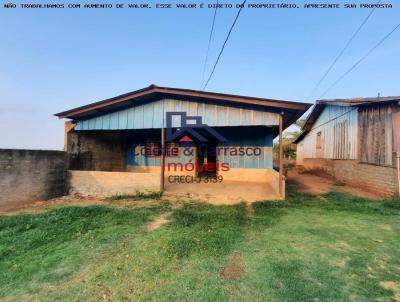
153 90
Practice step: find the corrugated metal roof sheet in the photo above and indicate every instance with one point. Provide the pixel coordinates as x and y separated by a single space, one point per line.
350 102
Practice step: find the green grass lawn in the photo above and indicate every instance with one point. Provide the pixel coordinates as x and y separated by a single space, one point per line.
334 247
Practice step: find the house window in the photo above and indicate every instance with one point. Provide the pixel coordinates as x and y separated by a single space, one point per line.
318 144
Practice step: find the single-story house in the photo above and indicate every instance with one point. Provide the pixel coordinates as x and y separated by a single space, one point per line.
159 138
355 140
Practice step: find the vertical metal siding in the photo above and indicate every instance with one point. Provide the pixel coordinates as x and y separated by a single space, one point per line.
152 115
339 127
262 161
237 138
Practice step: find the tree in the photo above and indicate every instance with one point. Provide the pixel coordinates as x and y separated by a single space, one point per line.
289 149
300 122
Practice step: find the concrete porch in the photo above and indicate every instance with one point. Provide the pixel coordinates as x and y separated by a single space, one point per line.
102 183
226 192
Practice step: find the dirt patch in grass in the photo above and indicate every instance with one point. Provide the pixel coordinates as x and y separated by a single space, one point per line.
341 263
164 218
234 270
392 286
41 206
137 196
320 183
386 227
134 203
249 210
342 245
159 221
311 183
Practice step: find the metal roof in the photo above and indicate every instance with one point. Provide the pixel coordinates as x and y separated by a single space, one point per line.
359 100
351 102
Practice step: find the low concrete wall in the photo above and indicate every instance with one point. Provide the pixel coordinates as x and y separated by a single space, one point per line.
99 183
30 175
246 174
269 176
378 179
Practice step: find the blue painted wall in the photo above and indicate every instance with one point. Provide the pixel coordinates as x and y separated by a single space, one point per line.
136 159
152 116
245 137
248 137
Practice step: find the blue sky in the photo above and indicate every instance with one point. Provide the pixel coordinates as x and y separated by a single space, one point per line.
53 60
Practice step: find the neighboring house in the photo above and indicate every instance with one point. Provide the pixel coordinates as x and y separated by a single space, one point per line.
111 135
354 140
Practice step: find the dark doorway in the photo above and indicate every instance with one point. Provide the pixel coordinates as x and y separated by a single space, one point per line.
207 159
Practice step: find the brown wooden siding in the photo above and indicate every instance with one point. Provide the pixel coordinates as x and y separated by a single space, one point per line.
396 128
376 134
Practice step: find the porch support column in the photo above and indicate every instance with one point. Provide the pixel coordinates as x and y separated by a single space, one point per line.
281 155
162 159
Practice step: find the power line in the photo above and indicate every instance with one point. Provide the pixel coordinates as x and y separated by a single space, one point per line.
344 49
223 45
328 121
332 119
209 43
361 59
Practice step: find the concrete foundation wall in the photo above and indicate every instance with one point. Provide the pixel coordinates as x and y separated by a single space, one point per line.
269 176
99 183
30 175
377 179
